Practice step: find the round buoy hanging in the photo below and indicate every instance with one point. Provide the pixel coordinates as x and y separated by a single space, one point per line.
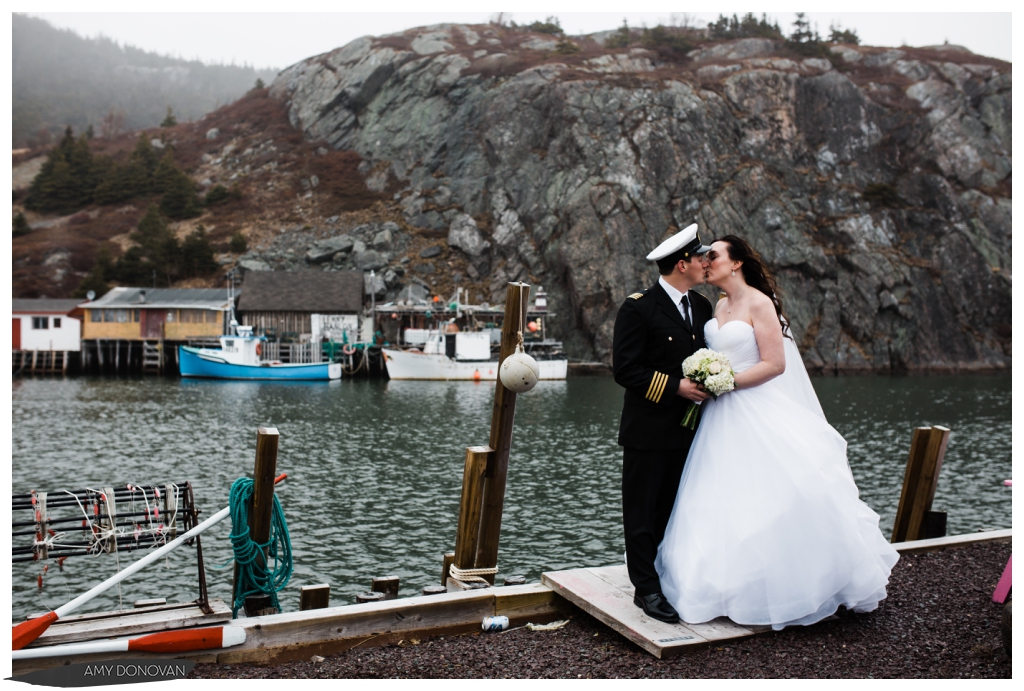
519 372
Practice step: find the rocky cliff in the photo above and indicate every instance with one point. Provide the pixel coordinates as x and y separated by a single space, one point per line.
876 183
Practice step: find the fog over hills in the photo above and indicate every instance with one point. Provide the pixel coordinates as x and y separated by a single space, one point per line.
60 79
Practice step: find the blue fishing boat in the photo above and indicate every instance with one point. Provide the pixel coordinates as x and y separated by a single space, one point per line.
239 358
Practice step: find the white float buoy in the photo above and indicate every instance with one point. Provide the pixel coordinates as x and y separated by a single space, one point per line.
519 372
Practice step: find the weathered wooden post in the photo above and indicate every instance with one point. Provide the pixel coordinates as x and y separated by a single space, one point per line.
470 507
262 509
927 450
314 596
387 585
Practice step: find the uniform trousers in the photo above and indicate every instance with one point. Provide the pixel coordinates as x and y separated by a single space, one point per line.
650 480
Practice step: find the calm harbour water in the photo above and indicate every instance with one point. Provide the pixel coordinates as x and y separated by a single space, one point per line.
375 469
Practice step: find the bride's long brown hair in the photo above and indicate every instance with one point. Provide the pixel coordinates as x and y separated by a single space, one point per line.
756 274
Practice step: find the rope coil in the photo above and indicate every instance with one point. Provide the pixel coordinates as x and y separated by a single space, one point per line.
256 578
471 575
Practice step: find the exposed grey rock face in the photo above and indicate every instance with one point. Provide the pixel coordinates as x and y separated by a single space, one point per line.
324 250
880 197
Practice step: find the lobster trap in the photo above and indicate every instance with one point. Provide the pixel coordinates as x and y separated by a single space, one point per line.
91 521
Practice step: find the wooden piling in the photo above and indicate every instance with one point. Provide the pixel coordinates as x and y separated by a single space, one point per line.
927 450
262 501
446 563
502 415
370 597
470 506
387 585
314 596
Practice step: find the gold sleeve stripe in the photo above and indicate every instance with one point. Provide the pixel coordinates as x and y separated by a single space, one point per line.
661 388
657 387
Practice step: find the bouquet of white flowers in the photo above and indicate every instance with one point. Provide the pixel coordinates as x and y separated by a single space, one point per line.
713 370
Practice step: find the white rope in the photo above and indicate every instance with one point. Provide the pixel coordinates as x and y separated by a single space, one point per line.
471 575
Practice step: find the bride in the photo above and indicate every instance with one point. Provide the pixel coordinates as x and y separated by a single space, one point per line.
767 526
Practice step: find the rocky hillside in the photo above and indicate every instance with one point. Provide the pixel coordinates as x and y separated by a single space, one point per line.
876 182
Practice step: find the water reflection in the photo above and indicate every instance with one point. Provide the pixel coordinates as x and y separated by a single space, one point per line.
375 468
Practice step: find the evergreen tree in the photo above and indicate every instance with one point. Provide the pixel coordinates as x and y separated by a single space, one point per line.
89 132
801 30
21 227
66 180
620 39
170 120
197 255
238 243
157 250
216 195
838 35
259 84
180 199
143 163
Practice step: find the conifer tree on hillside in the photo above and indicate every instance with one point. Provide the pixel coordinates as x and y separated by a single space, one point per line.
197 255
67 180
170 120
21 226
179 193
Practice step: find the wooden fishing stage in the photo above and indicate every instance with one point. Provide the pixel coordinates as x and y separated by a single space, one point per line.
604 592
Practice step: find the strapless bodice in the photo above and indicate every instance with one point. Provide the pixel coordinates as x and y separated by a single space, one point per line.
736 340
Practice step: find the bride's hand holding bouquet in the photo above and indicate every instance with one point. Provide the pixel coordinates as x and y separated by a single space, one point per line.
713 371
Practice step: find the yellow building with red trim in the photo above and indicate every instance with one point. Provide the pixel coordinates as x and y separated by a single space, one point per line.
144 314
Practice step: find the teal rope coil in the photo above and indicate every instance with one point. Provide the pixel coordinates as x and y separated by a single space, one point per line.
253 577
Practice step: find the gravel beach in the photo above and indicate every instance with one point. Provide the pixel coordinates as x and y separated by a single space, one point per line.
939 621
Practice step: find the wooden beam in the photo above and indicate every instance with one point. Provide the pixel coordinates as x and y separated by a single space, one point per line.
502 416
911 475
938 439
470 506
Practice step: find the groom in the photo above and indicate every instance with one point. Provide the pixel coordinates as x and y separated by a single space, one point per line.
654 332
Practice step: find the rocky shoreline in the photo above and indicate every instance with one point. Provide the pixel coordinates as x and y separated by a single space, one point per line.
939 621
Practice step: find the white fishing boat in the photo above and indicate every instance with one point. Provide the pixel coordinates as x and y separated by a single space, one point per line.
466 356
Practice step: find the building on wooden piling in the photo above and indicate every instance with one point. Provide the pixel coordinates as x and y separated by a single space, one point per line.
129 329
46 334
303 306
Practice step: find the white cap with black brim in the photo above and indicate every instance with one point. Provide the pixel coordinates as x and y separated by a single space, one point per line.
686 240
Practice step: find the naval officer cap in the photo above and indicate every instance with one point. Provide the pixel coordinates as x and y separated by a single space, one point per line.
686 241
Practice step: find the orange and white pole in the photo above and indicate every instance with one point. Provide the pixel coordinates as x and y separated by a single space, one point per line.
181 641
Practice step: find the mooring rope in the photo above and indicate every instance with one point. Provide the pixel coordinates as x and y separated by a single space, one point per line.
255 578
471 575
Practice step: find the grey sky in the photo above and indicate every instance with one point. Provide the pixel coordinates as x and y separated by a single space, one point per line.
275 39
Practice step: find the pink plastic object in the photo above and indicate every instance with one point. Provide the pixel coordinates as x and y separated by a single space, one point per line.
1005 581
1008 483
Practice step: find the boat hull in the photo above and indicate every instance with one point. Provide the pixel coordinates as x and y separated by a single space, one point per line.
405 365
193 365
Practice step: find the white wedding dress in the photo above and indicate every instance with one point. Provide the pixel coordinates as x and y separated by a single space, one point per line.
768 527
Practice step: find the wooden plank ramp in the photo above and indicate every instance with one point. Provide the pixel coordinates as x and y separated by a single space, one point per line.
606 594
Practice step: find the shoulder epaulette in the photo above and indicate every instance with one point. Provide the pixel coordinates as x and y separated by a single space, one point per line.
636 296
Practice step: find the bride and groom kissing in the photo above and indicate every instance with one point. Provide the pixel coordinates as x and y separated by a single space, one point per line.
755 515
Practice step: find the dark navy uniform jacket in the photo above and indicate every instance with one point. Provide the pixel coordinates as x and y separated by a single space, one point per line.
651 341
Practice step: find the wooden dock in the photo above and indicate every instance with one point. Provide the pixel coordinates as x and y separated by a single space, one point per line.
606 594
603 592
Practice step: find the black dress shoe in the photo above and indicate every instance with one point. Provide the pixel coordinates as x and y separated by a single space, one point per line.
657 607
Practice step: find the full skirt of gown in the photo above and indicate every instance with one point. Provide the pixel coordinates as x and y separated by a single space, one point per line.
767 526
